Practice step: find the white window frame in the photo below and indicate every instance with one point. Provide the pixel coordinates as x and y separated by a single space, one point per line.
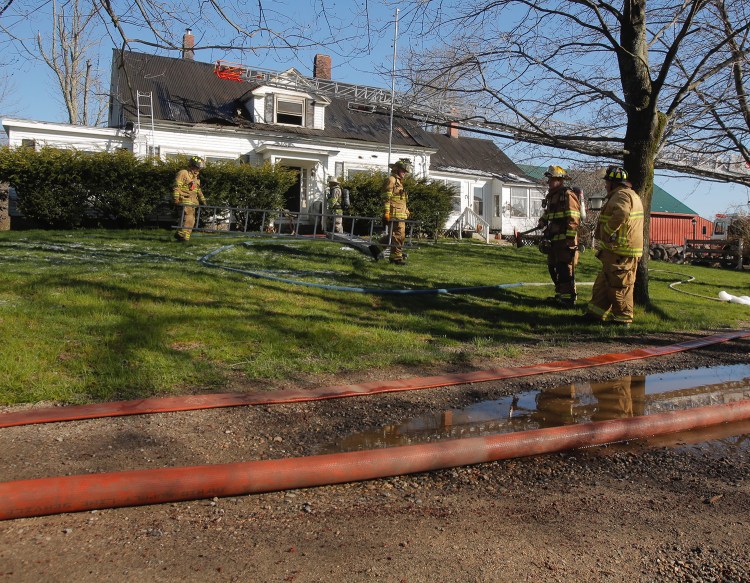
278 110
536 210
519 203
456 198
477 200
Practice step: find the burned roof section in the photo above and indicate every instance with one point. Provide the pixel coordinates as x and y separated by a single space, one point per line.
187 91
182 90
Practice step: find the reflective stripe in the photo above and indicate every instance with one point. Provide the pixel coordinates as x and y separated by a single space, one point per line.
596 310
561 215
620 319
624 251
620 245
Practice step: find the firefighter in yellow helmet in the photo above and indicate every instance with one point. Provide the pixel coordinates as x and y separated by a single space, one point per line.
560 220
187 195
395 210
619 235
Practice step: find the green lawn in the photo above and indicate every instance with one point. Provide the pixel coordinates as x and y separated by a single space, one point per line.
100 315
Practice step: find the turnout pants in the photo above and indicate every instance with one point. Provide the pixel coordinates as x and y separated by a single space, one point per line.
394 238
612 296
561 263
188 223
398 236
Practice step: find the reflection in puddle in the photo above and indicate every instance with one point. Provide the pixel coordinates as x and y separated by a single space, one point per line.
627 396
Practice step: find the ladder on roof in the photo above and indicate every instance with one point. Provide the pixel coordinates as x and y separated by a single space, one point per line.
445 111
237 72
145 109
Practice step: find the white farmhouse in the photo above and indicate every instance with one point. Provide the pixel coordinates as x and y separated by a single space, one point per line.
168 106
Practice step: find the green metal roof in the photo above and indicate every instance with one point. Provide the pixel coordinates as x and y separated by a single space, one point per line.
661 201
535 172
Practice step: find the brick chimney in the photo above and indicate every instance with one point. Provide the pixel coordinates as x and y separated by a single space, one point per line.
322 67
452 129
188 42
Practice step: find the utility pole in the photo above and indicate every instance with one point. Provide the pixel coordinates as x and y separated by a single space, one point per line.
393 88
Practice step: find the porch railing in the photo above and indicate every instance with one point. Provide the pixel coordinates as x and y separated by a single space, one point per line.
469 221
236 220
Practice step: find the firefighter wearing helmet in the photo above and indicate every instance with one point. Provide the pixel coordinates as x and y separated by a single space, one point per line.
187 195
560 220
395 210
619 235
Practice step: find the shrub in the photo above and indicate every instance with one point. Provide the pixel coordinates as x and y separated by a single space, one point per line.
122 188
50 186
68 188
245 186
430 202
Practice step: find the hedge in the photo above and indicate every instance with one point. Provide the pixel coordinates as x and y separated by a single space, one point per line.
64 189
430 202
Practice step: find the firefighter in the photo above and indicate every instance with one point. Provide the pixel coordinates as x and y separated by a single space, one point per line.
619 235
560 221
334 206
619 399
395 211
188 195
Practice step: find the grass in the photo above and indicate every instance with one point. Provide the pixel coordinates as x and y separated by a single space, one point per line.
100 315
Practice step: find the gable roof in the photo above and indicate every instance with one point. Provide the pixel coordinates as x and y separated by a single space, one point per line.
187 91
182 90
663 202
472 156
535 172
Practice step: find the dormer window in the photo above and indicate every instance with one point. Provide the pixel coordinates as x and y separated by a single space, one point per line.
290 111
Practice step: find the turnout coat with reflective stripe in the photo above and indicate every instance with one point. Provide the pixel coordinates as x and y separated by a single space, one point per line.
620 226
187 189
562 216
395 198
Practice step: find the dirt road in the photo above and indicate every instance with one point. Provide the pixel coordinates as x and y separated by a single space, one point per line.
643 512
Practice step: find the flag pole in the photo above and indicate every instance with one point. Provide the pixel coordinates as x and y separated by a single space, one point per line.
393 88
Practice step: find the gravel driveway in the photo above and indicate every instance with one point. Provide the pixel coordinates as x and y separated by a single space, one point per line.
665 510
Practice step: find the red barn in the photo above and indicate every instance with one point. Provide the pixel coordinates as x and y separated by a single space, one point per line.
672 221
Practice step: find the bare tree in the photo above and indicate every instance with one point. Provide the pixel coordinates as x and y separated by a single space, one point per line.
725 98
8 100
230 27
69 54
616 80
233 26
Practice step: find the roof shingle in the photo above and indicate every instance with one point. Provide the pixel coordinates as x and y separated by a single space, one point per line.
187 91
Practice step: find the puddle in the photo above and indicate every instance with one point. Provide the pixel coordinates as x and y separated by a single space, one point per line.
577 403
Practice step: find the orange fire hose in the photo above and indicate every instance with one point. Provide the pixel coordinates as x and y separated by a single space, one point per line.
210 401
45 496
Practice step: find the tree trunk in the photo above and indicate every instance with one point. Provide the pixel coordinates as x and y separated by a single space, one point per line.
645 124
641 142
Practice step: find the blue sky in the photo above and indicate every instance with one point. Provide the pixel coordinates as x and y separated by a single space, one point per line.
33 95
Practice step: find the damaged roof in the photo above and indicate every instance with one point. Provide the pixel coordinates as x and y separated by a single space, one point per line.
187 91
